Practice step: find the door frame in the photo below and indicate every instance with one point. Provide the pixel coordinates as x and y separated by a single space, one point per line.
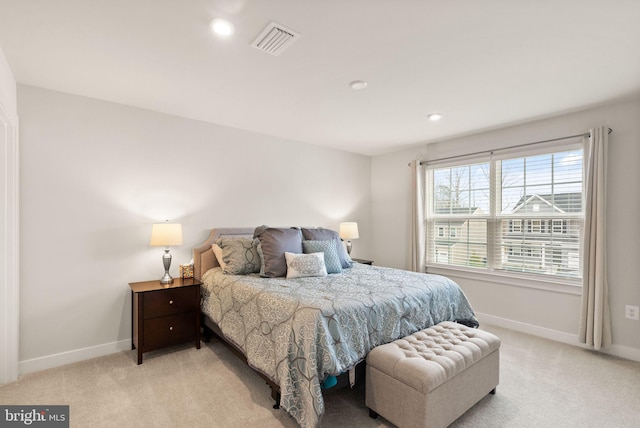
9 237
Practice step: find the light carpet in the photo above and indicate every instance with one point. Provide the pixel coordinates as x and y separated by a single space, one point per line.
542 384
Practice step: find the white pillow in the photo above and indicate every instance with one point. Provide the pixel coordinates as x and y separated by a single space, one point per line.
217 251
304 265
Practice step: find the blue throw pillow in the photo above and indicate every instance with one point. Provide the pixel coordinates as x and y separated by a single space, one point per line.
320 234
331 259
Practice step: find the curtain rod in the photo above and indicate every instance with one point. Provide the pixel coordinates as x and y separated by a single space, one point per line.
510 147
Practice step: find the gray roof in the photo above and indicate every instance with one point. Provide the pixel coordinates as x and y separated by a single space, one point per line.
566 202
456 210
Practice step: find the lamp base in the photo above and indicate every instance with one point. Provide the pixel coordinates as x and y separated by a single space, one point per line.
349 248
166 261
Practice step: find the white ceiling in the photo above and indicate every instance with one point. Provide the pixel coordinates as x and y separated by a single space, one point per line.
483 64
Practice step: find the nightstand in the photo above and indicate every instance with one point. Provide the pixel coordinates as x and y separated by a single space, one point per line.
164 314
363 261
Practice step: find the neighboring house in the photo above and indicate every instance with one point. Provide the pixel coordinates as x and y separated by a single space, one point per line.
541 235
461 239
538 242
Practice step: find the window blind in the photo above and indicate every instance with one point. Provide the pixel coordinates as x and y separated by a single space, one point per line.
516 212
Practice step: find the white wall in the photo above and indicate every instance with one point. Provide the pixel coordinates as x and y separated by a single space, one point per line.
536 311
8 224
7 87
96 175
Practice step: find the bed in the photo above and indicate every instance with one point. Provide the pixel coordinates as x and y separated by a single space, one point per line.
300 333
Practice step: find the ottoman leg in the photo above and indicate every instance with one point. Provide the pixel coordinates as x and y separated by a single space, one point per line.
372 414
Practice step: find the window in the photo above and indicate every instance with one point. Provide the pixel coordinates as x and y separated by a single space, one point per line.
559 226
442 256
535 226
519 214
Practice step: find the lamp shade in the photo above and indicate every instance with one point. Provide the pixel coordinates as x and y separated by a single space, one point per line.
349 230
166 235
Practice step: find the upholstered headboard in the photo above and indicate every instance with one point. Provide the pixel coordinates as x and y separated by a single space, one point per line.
203 258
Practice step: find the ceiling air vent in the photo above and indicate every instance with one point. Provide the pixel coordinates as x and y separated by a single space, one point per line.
274 39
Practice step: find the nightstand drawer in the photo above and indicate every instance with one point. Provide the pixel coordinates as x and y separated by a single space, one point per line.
169 330
169 302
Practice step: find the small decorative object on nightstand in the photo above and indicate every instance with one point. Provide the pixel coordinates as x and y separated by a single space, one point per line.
186 271
363 261
164 314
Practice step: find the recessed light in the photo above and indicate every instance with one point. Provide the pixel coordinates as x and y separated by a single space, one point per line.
222 27
434 117
358 84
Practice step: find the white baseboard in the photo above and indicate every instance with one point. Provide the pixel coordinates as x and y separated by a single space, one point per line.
63 358
558 336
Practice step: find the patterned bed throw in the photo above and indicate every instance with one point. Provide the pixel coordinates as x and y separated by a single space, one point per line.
299 331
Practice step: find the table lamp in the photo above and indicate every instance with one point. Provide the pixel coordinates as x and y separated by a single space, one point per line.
349 231
166 235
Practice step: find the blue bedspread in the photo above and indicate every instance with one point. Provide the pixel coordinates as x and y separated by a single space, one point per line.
299 331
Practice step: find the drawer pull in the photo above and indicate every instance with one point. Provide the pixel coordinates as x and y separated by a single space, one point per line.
171 302
170 328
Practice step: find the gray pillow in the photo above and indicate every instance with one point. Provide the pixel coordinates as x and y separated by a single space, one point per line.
331 259
320 234
240 255
274 242
258 230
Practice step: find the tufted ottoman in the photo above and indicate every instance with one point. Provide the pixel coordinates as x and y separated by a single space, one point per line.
430 378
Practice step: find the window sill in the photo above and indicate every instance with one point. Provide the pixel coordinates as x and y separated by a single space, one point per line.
549 284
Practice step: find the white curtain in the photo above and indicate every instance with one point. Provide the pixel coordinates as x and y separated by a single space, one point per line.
595 317
417 223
